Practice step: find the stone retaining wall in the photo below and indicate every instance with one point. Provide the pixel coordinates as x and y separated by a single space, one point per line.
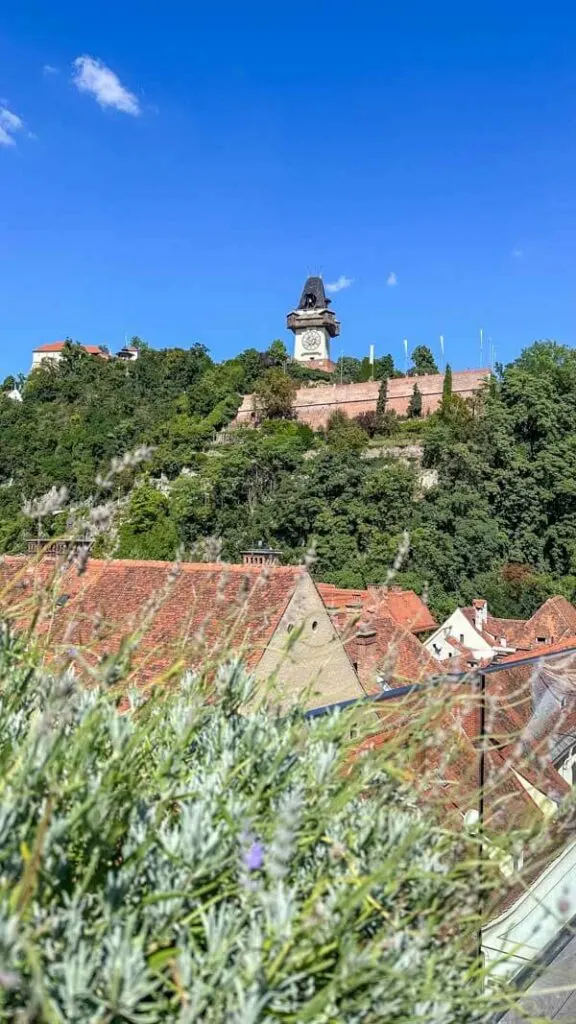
314 405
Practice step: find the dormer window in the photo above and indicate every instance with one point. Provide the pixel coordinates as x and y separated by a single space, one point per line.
541 639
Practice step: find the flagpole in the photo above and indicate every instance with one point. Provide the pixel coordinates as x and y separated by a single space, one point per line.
405 356
443 361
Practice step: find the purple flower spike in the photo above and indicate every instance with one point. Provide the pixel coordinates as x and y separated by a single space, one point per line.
254 856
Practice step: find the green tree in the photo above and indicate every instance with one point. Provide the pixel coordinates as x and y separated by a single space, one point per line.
415 403
274 395
365 371
147 530
423 362
344 434
384 367
381 405
447 395
347 370
139 343
277 354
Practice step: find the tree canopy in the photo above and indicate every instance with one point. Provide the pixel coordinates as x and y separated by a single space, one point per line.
423 362
501 521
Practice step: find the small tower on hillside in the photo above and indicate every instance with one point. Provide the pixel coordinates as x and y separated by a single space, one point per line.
313 325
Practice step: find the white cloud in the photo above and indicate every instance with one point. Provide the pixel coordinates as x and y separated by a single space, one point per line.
517 253
49 69
10 125
92 76
337 286
392 280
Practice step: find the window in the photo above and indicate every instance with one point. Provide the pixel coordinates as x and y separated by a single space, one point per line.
541 639
461 638
315 625
289 627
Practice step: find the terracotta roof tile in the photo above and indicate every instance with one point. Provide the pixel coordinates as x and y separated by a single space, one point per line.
394 653
194 614
57 346
555 620
404 606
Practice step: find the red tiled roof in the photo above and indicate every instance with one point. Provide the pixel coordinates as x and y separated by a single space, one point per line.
338 597
193 614
57 346
394 653
408 609
539 649
404 606
555 619
511 629
439 728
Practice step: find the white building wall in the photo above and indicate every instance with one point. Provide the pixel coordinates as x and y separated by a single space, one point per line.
458 626
41 357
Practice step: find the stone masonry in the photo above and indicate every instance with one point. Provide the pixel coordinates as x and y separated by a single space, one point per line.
314 405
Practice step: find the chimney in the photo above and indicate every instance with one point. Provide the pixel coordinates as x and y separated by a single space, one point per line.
365 636
366 654
57 548
261 556
480 606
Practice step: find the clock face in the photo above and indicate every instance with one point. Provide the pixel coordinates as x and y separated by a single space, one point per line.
312 341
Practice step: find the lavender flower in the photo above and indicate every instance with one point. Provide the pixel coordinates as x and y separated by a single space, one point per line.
254 856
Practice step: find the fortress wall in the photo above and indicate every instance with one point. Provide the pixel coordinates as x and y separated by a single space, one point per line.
314 405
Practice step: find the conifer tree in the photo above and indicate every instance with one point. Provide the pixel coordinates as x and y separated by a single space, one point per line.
446 402
415 404
365 371
381 404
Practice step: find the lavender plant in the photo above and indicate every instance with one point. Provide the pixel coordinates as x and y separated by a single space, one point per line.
188 862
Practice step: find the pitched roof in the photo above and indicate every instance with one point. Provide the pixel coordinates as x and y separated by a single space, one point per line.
439 727
404 606
340 597
58 346
555 619
193 613
569 643
513 630
394 653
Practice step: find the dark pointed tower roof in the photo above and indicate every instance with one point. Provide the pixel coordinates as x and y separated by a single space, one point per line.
313 295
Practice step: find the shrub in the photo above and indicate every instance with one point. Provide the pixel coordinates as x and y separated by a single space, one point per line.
187 862
367 421
344 434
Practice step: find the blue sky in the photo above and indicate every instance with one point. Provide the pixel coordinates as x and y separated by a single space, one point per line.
256 143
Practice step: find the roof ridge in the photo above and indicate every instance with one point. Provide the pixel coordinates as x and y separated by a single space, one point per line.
252 570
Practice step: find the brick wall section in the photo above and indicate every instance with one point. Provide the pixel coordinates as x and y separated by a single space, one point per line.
314 405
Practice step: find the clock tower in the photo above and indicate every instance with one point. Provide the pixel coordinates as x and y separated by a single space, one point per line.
313 324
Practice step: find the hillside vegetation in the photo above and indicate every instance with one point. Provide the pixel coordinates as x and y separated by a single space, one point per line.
501 522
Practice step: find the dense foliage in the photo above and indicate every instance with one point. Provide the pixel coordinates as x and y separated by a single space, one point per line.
185 862
501 521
